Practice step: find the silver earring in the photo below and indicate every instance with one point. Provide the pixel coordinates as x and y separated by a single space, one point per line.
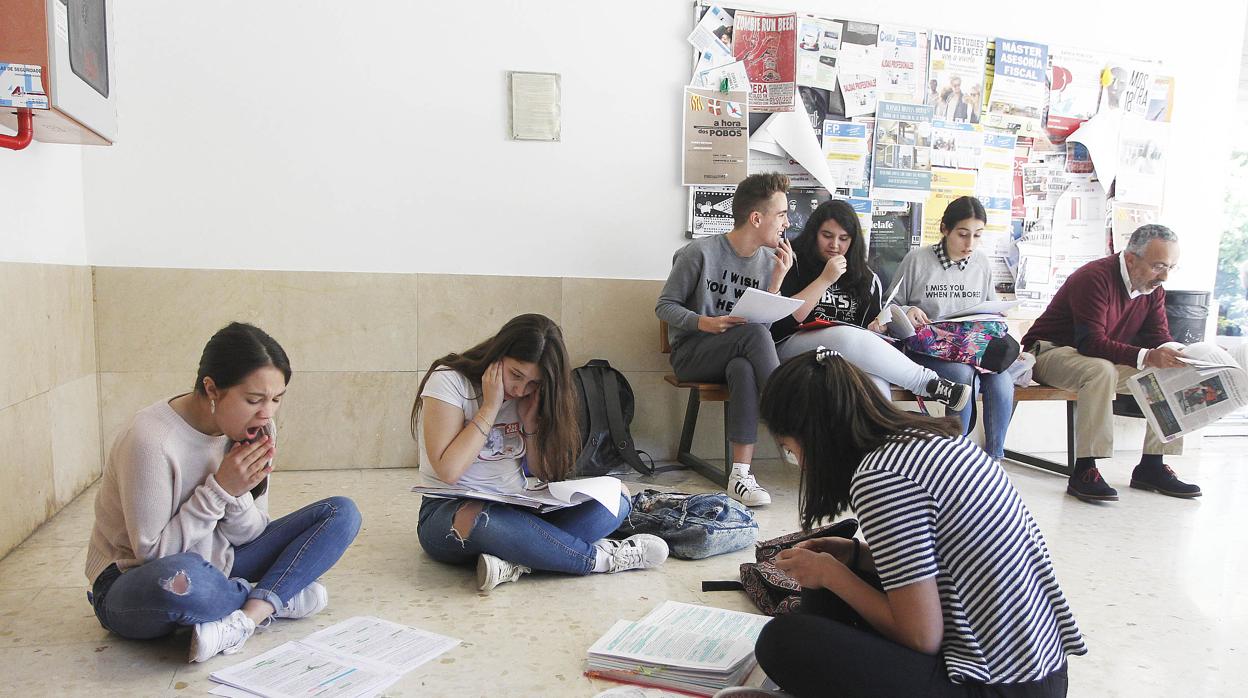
212 406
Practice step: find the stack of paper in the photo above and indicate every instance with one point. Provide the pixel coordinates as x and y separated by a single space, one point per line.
357 657
681 646
548 497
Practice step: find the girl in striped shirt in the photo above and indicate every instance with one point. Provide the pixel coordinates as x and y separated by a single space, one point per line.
952 594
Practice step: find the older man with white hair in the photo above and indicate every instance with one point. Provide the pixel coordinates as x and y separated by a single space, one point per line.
1105 324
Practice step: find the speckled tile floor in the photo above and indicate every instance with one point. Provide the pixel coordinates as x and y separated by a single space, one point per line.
1157 585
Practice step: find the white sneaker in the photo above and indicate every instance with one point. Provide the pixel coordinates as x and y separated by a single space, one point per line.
745 489
638 552
492 571
312 600
225 636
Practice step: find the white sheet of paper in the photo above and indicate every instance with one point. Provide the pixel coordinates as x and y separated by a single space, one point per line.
791 131
738 79
360 656
987 308
760 306
604 489
398 648
292 670
1100 136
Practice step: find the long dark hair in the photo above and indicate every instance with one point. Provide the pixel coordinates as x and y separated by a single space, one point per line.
857 277
234 352
837 415
536 339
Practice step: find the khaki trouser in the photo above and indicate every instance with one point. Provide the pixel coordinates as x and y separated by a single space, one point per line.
1096 381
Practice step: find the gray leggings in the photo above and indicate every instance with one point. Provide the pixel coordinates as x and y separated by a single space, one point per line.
743 357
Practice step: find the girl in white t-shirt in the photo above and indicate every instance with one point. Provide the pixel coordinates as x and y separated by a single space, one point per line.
497 418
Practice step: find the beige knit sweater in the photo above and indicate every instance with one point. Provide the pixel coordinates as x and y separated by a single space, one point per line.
158 497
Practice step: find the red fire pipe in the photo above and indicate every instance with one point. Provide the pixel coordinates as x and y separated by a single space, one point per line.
25 132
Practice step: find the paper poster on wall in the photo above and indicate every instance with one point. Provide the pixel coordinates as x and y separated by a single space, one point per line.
716 137
712 37
1160 98
768 44
864 192
845 146
815 105
1125 218
956 63
903 64
995 188
710 211
859 66
802 203
1078 228
947 185
1034 275
1124 87
1142 152
1019 86
1074 89
818 43
902 157
862 207
891 238
956 144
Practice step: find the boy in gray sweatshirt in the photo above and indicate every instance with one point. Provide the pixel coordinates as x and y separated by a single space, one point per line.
709 344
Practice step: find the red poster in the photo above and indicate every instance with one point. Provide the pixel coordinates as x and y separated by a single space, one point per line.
768 45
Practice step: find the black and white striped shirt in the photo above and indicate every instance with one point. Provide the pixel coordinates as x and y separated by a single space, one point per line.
940 507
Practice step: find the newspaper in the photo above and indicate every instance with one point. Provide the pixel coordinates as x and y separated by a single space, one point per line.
768 44
1177 401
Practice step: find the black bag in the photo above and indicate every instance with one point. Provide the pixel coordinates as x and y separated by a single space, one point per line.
606 410
774 592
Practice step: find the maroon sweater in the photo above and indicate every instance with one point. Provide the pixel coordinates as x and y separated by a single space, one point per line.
1093 313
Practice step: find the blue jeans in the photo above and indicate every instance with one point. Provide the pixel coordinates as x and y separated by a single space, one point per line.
998 392
153 599
557 541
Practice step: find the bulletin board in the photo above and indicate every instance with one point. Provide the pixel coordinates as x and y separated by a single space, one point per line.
1065 146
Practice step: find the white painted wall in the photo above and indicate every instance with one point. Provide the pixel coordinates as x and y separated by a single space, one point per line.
41 204
371 136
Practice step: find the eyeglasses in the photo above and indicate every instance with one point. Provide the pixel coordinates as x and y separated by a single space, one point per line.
1162 267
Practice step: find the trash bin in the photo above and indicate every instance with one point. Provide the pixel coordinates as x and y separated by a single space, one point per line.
1187 312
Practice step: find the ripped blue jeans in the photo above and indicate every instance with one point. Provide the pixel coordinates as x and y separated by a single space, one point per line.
557 541
153 599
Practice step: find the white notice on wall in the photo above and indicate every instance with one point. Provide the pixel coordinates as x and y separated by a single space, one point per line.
534 106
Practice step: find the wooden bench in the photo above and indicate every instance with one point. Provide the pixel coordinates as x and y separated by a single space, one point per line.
698 393
718 392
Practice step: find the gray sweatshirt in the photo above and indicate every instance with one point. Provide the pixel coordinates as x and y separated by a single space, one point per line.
707 278
937 291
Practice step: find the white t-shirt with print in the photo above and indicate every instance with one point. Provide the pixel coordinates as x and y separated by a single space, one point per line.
497 466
